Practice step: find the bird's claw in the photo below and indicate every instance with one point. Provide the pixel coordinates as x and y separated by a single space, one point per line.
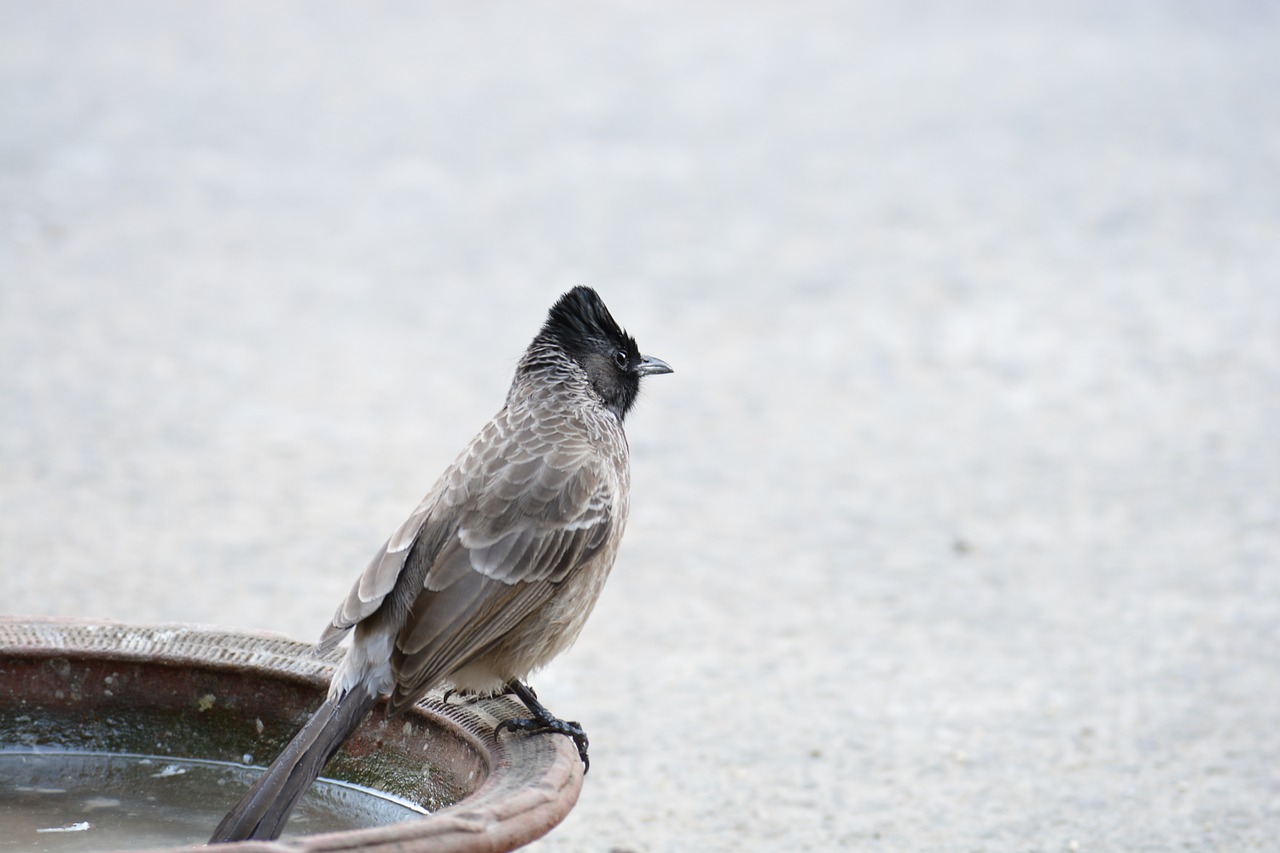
568 728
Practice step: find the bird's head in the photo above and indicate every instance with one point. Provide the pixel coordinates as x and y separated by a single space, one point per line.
582 326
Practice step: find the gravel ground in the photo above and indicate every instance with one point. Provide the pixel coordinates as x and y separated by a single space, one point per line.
958 527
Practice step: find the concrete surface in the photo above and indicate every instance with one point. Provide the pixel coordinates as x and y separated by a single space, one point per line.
958 527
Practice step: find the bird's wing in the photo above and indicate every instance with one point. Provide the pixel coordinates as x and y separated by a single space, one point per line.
542 513
515 516
428 526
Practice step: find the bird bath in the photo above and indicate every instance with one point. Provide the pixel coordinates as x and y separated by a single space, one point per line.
171 700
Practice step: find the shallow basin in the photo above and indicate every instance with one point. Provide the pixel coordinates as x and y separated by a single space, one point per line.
199 693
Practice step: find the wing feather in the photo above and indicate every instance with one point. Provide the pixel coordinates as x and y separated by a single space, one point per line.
379 578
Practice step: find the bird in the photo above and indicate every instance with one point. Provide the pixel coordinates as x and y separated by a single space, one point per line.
496 570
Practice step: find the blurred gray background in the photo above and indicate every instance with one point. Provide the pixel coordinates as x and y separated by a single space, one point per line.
958 527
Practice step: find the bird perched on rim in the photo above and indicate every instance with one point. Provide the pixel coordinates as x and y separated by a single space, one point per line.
495 572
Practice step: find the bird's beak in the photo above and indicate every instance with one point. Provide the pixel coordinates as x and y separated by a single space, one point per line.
650 366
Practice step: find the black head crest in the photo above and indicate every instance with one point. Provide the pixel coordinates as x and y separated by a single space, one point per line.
580 322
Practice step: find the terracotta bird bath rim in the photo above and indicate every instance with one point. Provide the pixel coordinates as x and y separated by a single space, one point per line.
209 693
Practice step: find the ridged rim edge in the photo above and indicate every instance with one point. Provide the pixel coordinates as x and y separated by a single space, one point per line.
533 780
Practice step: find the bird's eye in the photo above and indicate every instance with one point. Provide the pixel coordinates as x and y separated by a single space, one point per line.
620 359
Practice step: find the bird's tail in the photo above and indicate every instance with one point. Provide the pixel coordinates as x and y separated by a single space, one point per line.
263 811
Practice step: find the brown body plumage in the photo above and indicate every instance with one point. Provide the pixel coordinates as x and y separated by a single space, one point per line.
496 571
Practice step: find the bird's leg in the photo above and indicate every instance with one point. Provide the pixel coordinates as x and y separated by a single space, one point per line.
544 721
509 689
464 695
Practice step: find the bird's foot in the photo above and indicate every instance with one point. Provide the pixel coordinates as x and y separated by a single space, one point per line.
544 721
567 728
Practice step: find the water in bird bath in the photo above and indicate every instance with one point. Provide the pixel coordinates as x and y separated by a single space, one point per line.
79 801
